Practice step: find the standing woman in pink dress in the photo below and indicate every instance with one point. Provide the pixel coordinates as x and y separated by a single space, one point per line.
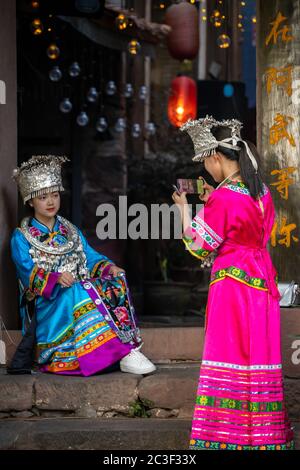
240 399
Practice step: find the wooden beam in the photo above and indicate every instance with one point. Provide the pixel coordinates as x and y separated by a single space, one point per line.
278 124
8 156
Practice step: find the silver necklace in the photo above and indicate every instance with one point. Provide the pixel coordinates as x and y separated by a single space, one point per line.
72 241
227 178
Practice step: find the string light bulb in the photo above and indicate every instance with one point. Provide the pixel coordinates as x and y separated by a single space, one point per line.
36 27
65 106
224 41
122 22
55 74
101 124
74 70
134 47
53 51
216 19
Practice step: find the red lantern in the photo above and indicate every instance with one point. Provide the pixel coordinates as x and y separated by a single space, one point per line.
183 40
182 104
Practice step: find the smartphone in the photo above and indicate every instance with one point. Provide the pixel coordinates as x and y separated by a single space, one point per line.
190 186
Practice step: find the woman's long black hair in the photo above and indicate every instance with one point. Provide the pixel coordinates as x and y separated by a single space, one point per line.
254 181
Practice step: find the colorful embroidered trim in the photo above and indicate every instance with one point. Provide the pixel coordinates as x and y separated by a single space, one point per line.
197 444
209 229
60 366
61 340
99 267
54 238
231 404
242 367
207 236
41 283
199 253
239 275
88 333
241 188
240 407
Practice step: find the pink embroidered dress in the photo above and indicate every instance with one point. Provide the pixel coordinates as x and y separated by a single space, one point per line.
240 398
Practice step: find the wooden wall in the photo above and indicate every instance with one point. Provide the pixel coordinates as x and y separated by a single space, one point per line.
278 124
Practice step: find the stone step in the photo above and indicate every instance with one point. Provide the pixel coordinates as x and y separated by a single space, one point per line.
107 411
185 343
94 434
170 392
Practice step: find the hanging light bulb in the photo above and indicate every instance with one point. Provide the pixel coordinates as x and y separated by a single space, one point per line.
110 88
134 47
150 128
101 124
65 105
92 95
128 90
35 5
120 125
224 41
122 22
253 19
143 92
136 130
82 119
216 19
36 27
55 74
74 69
53 52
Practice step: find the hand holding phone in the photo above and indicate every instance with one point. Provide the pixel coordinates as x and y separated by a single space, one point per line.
190 186
207 190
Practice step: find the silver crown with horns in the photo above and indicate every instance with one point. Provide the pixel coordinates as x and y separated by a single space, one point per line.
41 174
205 143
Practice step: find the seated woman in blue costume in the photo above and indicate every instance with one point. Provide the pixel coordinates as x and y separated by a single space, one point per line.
81 311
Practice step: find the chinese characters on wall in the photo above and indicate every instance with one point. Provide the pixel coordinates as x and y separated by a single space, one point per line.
285 232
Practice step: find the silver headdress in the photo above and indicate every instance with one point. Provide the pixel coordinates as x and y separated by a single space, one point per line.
205 143
41 174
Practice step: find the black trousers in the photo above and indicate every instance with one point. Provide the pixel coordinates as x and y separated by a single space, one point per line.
24 355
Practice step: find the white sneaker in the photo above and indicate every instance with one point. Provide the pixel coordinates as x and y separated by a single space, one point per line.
136 363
